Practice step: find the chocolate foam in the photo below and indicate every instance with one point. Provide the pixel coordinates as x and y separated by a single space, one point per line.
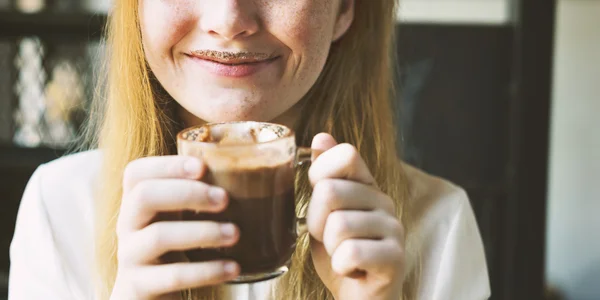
248 159
242 133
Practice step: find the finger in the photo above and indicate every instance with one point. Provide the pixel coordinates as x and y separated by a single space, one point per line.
336 194
375 258
343 162
153 281
155 167
323 142
149 197
346 225
148 244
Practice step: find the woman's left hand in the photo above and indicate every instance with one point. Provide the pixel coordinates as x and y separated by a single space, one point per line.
357 241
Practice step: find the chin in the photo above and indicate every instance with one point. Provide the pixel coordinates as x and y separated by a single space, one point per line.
235 108
223 115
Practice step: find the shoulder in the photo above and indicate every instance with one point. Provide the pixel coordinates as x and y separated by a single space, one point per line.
445 235
433 199
433 208
54 233
68 175
67 187
83 165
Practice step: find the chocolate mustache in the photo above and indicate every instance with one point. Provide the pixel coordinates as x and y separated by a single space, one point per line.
221 55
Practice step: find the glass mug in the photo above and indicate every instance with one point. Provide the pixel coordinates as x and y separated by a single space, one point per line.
256 164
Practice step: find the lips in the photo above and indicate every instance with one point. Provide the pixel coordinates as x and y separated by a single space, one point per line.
232 64
231 58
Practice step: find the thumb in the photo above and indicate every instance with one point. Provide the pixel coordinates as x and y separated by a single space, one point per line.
323 142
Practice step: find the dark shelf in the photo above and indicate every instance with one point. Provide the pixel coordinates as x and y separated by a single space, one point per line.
17 158
52 25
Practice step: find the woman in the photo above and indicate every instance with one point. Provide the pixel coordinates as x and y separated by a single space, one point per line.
314 65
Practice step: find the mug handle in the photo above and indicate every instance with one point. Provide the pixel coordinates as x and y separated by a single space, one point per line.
304 155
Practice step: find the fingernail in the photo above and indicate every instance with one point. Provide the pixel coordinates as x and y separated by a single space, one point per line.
216 195
191 167
230 268
228 230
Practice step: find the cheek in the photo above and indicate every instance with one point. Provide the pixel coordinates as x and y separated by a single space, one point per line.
163 24
306 21
306 27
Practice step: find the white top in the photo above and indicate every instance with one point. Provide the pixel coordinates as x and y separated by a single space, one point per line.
52 250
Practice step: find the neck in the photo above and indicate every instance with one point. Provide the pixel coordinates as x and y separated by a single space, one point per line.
289 118
187 118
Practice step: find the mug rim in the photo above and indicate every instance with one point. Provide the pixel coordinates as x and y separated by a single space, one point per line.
180 139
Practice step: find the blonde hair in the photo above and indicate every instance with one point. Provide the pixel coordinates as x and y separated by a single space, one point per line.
351 100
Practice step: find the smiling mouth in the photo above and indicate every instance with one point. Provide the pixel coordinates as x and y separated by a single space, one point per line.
232 58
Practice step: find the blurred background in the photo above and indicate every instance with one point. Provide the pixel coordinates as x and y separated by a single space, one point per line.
499 96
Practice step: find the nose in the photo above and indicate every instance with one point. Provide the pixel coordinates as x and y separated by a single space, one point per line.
230 19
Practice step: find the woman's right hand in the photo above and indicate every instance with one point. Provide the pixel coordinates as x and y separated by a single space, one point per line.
168 184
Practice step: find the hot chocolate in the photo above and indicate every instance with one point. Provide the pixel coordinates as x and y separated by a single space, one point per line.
254 164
